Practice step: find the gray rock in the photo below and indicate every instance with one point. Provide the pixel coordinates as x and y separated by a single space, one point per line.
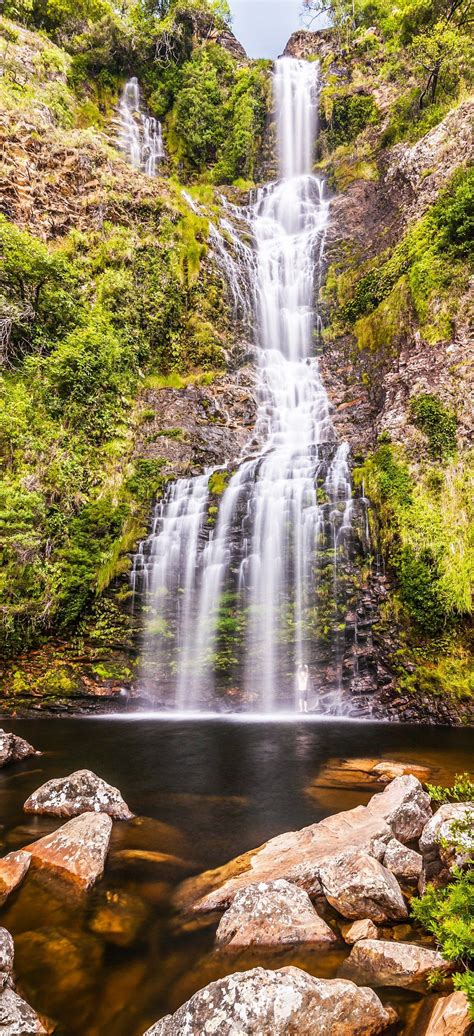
402 862
76 851
7 951
17 1018
271 914
277 1003
439 827
405 807
359 887
81 792
13 749
382 963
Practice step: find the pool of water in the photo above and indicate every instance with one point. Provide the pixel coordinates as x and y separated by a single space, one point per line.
116 960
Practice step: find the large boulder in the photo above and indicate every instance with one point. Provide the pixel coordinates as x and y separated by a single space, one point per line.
17 1018
383 963
404 863
450 1017
272 914
81 792
13 749
13 868
400 811
440 827
358 886
76 851
277 1003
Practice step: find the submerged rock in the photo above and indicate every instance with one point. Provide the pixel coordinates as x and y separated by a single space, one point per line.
272 914
13 749
381 963
450 1017
276 1003
358 886
17 1018
119 917
13 868
77 850
81 792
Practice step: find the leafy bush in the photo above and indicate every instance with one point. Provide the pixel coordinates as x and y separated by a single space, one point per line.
437 422
350 115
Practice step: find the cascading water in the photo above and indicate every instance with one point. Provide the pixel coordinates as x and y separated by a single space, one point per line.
139 135
233 610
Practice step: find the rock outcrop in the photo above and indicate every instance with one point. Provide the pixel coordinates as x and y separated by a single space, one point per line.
76 851
403 964
13 749
272 914
358 886
13 868
81 792
277 1003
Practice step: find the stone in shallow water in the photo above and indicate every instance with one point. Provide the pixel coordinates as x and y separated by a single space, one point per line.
363 929
13 868
272 914
62 969
13 749
17 1018
81 792
277 1003
404 964
119 917
77 850
358 886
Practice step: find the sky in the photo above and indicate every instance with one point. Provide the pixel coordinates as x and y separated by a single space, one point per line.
264 26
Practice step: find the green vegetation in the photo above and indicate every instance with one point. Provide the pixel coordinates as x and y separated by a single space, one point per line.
437 422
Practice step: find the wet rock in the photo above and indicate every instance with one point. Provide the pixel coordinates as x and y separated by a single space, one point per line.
17 1018
363 773
81 792
13 749
13 868
76 851
154 864
363 929
450 1017
405 807
119 917
360 887
404 863
150 835
271 914
440 827
381 963
62 969
275 1003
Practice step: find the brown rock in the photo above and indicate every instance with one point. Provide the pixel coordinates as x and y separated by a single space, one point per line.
13 749
81 792
359 887
405 807
13 868
119 917
439 827
402 862
278 1003
450 1017
272 914
383 963
363 929
77 850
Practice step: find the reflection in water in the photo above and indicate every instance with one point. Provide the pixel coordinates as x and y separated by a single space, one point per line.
115 960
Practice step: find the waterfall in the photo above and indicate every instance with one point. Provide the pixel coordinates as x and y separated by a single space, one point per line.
238 606
138 134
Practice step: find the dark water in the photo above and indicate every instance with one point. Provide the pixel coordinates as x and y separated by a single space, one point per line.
115 961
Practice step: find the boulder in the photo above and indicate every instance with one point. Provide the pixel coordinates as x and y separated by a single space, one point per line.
13 868
13 749
362 773
81 792
76 851
404 863
7 953
272 914
439 827
383 963
363 929
17 1018
276 1003
450 1017
360 887
405 807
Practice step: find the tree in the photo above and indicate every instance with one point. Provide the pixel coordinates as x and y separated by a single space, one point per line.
440 54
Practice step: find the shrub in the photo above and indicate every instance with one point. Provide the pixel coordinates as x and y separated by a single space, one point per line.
437 422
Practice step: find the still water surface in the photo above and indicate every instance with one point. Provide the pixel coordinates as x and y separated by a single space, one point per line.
115 961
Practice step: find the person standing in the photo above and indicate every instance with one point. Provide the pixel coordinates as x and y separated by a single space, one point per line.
302 680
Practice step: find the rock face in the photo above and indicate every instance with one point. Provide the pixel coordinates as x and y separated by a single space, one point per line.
401 810
277 1003
363 929
13 868
7 953
17 1018
81 792
450 1017
439 827
383 963
272 914
358 886
404 863
13 749
77 850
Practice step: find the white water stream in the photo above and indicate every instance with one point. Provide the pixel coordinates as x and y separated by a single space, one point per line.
139 135
235 606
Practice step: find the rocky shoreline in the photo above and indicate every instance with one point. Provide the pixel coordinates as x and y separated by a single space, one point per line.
342 885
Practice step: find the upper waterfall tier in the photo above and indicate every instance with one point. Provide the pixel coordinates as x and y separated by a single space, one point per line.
139 135
247 603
